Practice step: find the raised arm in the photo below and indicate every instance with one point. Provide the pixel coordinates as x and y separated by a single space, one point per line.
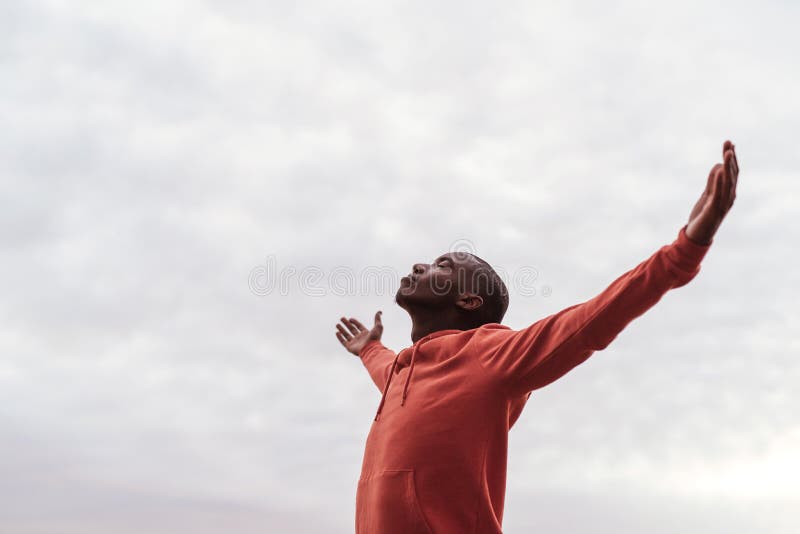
366 344
533 357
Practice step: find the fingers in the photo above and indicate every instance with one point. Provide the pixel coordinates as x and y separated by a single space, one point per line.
341 339
712 175
350 326
353 329
377 329
729 151
722 180
349 329
357 324
717 176
719 195
732 175
344 333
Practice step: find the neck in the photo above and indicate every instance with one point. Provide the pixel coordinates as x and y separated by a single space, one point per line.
426 321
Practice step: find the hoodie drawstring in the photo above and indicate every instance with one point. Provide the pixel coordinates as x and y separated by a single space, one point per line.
408 378
386 387
389 381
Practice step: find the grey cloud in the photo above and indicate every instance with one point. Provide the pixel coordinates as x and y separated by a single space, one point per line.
152 158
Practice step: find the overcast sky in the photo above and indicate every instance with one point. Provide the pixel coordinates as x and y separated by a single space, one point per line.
155 155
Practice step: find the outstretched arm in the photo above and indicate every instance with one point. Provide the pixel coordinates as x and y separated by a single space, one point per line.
366 344
533 357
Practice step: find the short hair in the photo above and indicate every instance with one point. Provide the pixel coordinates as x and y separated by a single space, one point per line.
488 284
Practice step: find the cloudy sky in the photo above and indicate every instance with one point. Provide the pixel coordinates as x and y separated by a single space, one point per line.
155 155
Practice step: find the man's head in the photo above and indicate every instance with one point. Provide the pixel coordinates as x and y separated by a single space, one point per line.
458 284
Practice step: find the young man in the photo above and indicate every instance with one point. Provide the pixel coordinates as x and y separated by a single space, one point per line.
435 458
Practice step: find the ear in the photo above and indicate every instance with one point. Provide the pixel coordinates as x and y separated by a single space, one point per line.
469 302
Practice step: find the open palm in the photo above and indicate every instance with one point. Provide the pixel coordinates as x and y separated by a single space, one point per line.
717 199
354 336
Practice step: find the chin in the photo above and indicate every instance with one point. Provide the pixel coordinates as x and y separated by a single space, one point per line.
399 297
404 296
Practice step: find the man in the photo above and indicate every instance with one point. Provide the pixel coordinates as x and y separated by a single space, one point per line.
435 458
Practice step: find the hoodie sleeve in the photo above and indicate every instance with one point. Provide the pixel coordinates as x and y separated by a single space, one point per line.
378 361
535 356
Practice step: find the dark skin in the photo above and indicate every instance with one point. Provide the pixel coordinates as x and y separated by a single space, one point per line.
438 295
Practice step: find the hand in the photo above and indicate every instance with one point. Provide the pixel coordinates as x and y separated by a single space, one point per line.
356 335
716 200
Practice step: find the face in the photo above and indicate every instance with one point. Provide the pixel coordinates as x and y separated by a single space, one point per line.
440 284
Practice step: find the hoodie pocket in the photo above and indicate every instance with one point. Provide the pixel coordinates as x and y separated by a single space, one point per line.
386 503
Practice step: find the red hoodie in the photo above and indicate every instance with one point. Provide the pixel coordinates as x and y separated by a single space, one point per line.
435 458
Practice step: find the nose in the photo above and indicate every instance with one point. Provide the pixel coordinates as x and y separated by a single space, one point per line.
418 268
